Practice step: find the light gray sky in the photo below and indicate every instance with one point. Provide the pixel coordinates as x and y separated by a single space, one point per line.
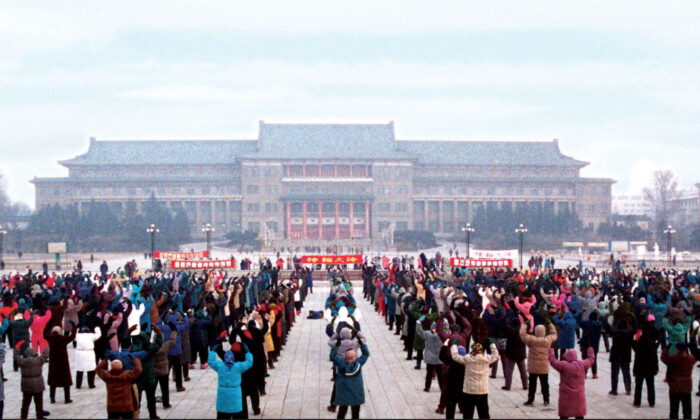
617 82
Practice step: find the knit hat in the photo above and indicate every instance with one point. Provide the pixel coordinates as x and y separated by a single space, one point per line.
455 328
461 350
651 318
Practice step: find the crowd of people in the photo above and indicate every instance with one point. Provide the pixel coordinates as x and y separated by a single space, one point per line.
463 323
139 332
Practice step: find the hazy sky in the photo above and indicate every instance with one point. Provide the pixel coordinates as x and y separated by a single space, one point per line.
617 82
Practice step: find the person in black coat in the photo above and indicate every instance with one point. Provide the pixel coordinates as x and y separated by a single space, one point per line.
620 354
592 330
515 353
453 383
646 363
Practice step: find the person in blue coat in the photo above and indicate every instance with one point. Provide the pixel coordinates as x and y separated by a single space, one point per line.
229 396
350 388
567 331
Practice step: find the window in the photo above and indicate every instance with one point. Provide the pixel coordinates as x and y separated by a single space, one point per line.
268 207
562 191
252 171
383 226
447 190
491 191
384 207
591 208
419 226
463 190
191 191
401 189
521 191
547 191
268 189
205 190
477 191
401 207
401 226
535 191
254 226
253 189
386 190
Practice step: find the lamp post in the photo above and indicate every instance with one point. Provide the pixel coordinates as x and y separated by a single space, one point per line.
669 232
153 230
2 242
522 231
469 229
208 230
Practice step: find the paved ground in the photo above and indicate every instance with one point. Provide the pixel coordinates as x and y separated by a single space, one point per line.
300 387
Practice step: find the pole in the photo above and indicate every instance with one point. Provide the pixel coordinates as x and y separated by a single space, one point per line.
153 249
209 243
468 240
2 241
521 250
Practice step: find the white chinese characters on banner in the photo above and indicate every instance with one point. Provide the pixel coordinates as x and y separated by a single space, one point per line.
202 265
181 255
481 254
472 263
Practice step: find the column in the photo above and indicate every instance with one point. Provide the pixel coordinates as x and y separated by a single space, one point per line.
303 219
320 219
425 216
335 172
337 218
303 169
352 222
289 219
366 219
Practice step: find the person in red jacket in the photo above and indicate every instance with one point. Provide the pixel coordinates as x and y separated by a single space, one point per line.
679 375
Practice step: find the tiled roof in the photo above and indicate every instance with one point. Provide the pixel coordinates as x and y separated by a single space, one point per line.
177 152
488 153
329 141
323 141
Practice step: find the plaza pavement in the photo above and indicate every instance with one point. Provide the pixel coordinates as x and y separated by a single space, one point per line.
300 386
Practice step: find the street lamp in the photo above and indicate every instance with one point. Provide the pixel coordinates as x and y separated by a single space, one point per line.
469 229
2 241
669 231
522 231
208 230
153 230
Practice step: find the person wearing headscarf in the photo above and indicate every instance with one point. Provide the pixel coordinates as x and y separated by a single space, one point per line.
32 383
350 389
572 386
475 392
229 396
120 404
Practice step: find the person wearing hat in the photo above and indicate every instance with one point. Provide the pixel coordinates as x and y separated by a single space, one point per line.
350 391
229 396
120 404
433 343
572 386
537 365
32 383
475 392
59 366
679 375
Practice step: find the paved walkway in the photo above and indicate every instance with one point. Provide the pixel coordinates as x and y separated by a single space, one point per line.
300 387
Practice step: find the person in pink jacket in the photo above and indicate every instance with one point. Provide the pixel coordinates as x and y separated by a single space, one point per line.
37 328
572 385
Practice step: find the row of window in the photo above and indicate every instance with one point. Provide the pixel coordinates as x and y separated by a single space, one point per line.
269 207
386 190
148 191
386 207
449 190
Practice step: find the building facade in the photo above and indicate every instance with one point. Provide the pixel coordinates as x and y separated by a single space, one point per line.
328 181
631 205
685 207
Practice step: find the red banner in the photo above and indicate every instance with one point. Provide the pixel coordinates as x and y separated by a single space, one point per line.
331 259
202 265
472 263
181 255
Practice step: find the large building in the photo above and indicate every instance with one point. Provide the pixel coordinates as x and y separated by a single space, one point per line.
685 207
631 205
329 181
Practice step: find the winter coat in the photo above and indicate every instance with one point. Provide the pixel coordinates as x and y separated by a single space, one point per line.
59 366
572 385
455 375
229 396
2 362
539 345
30 364
85 351
646 359
71 314
349 385
676 333
515 347
186 356
679 373
20 331
160 359
476 371
591 334
119 387
147 379
567 330
433 343
198 332
621 350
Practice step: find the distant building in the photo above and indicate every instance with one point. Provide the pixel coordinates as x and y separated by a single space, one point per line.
685 207
328 181
631 205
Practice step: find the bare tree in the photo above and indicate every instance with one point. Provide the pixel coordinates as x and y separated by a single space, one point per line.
660 196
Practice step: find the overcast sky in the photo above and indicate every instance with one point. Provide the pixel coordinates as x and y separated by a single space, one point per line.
618 83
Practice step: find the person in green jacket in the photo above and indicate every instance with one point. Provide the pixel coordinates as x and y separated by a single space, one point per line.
147 380
676 331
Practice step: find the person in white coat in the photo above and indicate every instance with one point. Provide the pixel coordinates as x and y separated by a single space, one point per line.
85 358
475 392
